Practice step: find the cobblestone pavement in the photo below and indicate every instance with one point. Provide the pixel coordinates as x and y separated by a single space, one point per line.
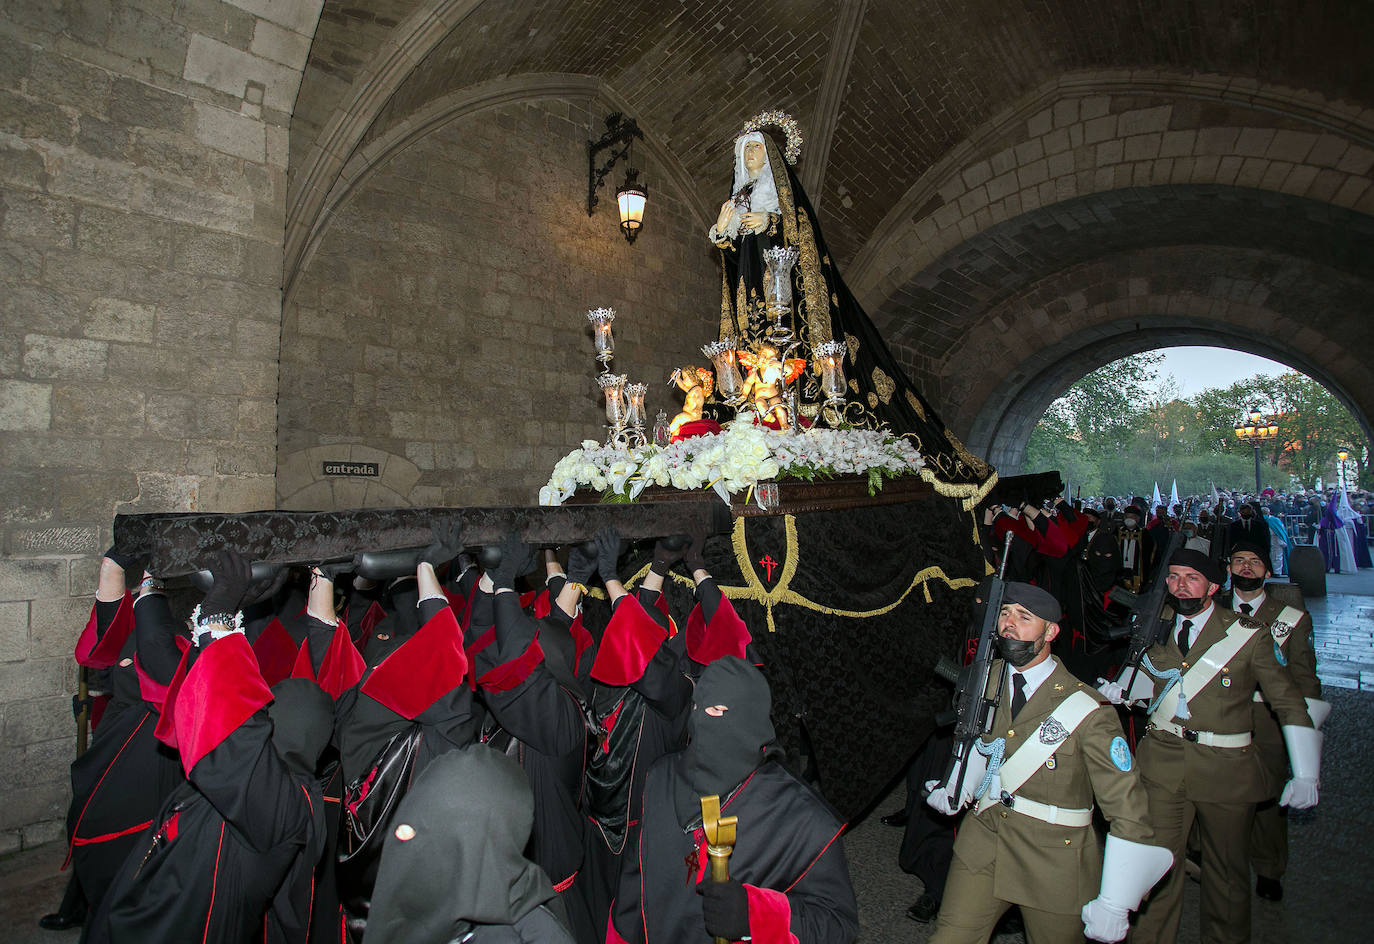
1331 848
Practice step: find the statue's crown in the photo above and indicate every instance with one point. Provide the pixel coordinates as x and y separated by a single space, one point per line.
785 123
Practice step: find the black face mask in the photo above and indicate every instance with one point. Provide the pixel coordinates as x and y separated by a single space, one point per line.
1187 606
1018 651
1246 583
723 750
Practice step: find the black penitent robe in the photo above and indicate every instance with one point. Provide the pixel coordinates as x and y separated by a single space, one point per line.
415 678
787 854
545 717
231 854
119 783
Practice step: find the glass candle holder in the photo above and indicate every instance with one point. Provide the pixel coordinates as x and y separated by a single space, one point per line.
830 356
634 402
661 429
613 386
722 355
601 319
777 279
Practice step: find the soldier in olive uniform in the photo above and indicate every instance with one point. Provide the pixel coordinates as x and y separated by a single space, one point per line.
1055 747
1291 629
1196 759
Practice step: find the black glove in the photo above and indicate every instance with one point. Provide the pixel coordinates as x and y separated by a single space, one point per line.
129 563
724 908
668 551
607 554
517 558
582 562
447 543
233 575
695 556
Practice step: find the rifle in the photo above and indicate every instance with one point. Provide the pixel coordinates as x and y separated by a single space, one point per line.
1143 623
973 709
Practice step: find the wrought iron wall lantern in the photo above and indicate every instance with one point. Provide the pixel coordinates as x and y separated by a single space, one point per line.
631 195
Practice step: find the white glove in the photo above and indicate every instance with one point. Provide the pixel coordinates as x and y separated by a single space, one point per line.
1104 922
1142 689
1304 756
938 795
1114 692
1129 871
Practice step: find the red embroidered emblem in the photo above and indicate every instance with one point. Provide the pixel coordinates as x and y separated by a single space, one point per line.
767 563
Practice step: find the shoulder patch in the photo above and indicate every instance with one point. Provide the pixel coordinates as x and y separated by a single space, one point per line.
1279 630
1120 753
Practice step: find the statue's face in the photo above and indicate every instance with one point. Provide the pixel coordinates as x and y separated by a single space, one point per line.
754 156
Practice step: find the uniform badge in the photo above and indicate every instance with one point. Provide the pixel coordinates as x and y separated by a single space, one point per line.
1280 630
1279 657
1049 764
1120 753
1226 681
1052 732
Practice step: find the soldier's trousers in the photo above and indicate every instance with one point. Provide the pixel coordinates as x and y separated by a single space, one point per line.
1269 835
1224 831
969 912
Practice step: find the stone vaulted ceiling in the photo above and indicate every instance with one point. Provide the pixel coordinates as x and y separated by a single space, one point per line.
928 122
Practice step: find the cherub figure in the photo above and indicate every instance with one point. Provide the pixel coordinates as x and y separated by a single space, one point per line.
696 384
768 374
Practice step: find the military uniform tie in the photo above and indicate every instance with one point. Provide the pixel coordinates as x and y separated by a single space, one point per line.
1018 695
1245 608
1184 631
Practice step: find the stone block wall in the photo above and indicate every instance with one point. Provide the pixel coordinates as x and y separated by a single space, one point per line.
143 150
440 330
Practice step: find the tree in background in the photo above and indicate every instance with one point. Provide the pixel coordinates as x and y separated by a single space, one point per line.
1122 427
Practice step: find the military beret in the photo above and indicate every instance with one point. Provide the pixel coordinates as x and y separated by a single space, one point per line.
1040 602
1188 557
1256 548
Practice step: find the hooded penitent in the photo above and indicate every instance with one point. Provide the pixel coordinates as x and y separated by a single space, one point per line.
302 716
728 730
468 816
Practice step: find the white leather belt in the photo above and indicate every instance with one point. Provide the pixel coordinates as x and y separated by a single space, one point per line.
1054 815
1208 738
1258 696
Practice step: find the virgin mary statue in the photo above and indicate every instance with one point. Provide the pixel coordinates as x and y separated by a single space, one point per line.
768 208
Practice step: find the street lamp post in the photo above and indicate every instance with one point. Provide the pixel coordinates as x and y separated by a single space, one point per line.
1340 469
1256 429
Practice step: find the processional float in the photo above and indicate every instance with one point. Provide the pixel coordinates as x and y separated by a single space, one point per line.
842 507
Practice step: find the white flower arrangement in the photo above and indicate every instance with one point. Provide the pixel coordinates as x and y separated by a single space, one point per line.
731 461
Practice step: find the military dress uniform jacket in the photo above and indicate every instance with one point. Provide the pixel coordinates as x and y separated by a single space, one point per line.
1057 868
1222 706
1295 643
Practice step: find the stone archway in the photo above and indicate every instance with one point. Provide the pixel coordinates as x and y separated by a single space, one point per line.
1004 425
1013 316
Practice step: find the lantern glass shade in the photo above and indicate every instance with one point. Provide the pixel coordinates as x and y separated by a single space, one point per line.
634 402
1254 417
1342 455
613 387
601 319
1240 432
631 198
722 355
830 356
1273 431
777 280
